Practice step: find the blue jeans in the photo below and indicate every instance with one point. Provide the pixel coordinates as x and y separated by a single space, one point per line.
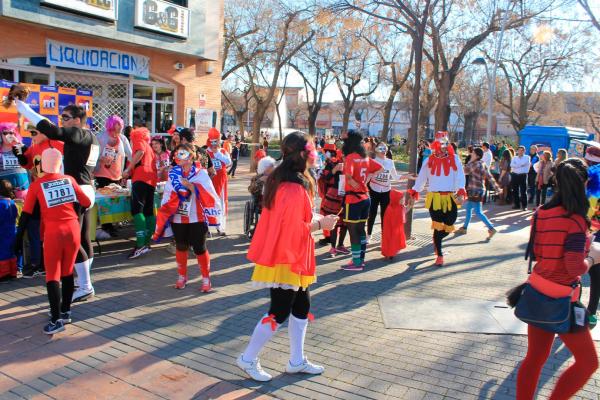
475 205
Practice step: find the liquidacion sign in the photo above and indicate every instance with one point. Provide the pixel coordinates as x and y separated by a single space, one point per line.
96 59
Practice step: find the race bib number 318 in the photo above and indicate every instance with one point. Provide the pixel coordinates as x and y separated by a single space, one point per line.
58 192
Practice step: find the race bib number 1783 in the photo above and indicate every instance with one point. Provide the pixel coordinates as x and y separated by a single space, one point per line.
58 192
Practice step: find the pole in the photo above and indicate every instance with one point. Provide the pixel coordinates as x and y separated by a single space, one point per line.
492 76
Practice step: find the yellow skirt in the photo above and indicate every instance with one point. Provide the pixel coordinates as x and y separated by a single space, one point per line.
280 276
440 201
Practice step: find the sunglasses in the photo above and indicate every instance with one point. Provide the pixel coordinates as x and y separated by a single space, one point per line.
381 149
66 117
183 155
6 133
214 142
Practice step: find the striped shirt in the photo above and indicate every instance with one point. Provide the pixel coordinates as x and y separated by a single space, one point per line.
560 246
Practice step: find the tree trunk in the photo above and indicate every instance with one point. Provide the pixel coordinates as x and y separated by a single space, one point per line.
423 122
258 117
442 109
239 116
279 123
387 112
346 119
312 120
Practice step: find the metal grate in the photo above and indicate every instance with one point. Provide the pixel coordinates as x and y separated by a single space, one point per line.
110 95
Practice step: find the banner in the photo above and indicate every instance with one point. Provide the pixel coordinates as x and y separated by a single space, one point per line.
96 59
161 16
105 9
49 101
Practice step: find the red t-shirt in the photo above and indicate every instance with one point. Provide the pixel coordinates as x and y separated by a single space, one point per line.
359 169
56 194
145 171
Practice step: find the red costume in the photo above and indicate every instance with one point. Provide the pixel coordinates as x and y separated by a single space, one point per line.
393 237
221 160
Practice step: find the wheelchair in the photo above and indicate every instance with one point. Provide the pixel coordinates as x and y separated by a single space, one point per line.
251 214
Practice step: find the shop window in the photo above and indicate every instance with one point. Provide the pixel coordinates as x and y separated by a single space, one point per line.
142 92
142 114
183 3
7 74
164 117
164 94
34 77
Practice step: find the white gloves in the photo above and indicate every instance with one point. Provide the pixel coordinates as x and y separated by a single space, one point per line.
26 111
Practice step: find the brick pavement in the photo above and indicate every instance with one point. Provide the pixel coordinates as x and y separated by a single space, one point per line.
140 338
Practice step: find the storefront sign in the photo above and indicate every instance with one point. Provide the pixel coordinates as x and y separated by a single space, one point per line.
106 9
96 59
161 16
204 119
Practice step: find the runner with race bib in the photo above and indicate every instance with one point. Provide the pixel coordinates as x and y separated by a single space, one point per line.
357 169
190 204
56 194
380 186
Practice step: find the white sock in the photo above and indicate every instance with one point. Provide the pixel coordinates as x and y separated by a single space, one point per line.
297 333
83 275
261 335
91 260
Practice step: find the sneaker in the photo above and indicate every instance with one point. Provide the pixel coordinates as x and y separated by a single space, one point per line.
351 267
524 209
206 286
593 321
253 369
101 234
323 241
439 261
146 249
54 327
181 282
332 252
343 250
368 239
491 233
65 317
31 274
461 231
306 367
82 295
136 253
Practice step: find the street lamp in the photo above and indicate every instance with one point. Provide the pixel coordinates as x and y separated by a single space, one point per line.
491 90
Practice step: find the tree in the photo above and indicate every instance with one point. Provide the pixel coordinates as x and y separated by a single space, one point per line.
588 9
469 96
534 58
237 101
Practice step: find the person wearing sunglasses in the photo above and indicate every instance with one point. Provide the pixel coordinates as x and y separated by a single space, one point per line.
10 169
81 152
190 204
221 161
380 186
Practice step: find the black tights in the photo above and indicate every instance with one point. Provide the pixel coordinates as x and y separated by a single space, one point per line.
187 235
86 251
333 236
438 236
55 295
594 288
286 301
357 231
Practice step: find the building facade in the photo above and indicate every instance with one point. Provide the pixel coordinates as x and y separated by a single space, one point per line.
153 62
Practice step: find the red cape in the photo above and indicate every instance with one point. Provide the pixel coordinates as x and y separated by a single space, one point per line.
282 235
393 238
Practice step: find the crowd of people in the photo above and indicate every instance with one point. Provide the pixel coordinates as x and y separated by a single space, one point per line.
338 188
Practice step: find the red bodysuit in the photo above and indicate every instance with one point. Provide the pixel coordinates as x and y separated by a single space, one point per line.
56 195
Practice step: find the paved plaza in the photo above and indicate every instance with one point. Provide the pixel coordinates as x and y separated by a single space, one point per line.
139 338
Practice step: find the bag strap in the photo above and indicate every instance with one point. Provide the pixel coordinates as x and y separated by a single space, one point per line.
529 254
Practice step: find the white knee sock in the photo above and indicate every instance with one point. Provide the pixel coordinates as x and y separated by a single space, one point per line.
91 262
261 335
83 275
297 333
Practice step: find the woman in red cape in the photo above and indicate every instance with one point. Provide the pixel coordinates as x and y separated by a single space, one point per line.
283 252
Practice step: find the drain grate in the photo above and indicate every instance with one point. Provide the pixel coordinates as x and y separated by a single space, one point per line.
418 239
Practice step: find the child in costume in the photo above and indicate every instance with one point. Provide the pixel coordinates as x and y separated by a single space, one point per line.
444 173
190 204
332 202
283 251
221 161
56 195
357 169
8 229
593 193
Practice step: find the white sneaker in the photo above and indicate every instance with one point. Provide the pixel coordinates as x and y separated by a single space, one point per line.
368 239
101 234
82 295
253 369
305 368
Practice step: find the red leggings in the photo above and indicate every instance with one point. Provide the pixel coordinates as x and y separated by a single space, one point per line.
61 244
572 379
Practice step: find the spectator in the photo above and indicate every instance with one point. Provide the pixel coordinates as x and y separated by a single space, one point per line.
519 166
488 156
265 143
532 175
163 157
544 173
257 183
235 155
8 229
504 179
